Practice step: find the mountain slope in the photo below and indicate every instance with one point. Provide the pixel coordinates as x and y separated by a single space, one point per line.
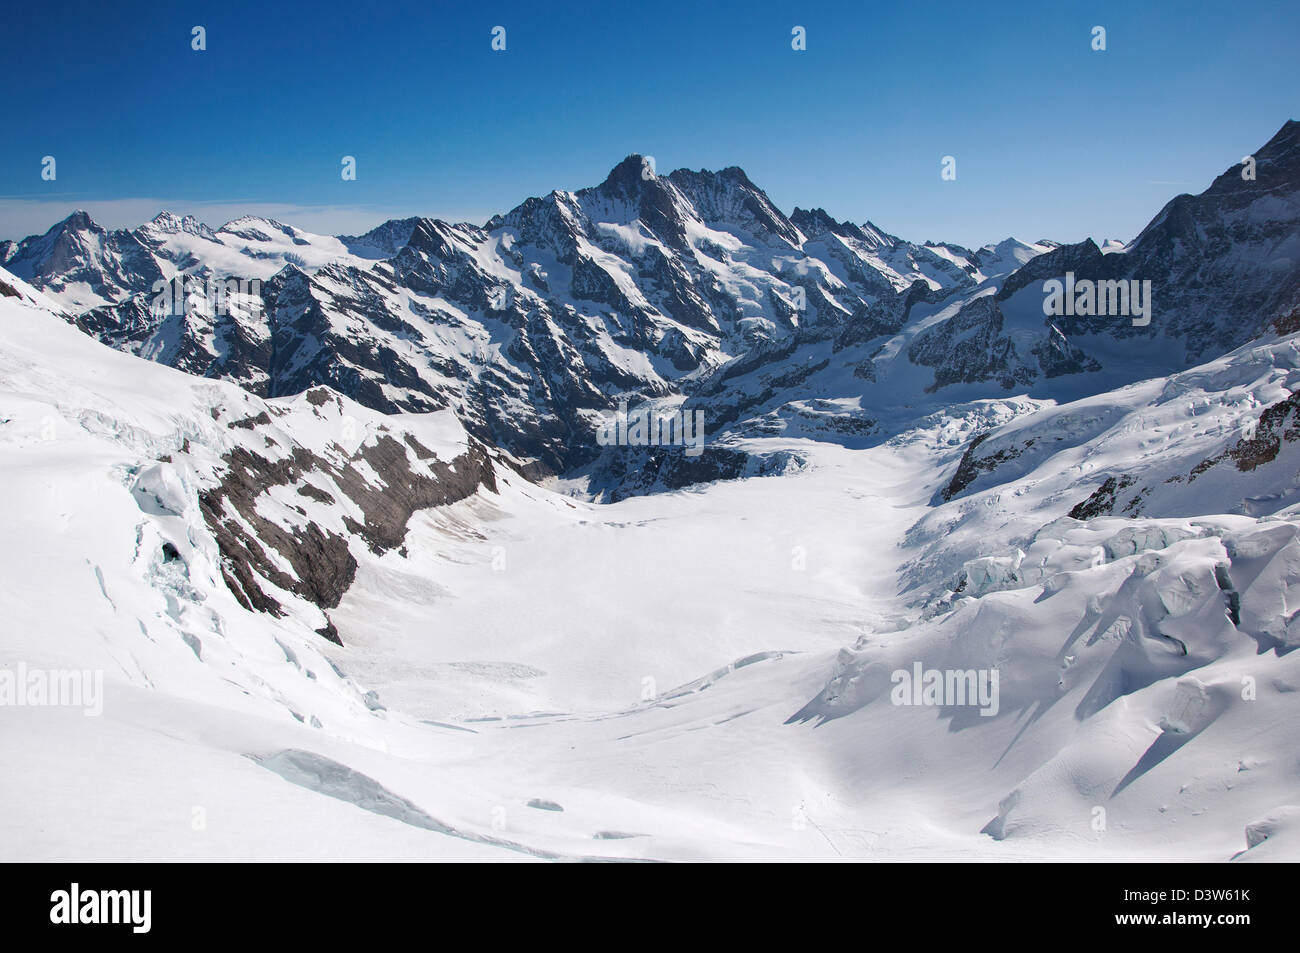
501 701
691 285
531 326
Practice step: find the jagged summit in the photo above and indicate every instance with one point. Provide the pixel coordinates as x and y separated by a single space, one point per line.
382 241
168 223
817 222
255 227
1277 166
729 199
690 285
628 177
80 219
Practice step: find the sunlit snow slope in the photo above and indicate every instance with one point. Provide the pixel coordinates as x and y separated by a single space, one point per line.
701 674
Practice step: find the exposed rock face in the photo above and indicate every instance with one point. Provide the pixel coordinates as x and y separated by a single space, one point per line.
1084 259
83 262
1223 265
969 348
972 466
1102 500
383 241
692 284
259 528
1278 424
530 325
322 566
629 471
1276 428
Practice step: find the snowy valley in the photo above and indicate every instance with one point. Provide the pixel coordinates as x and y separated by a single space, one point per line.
362 583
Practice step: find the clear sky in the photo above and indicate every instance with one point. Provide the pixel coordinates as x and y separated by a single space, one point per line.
1052 139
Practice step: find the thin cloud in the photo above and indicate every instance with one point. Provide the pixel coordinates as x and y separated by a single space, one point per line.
21 217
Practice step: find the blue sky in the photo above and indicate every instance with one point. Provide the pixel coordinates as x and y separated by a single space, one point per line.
1051 138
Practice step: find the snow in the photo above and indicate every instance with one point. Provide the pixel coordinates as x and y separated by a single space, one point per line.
701 674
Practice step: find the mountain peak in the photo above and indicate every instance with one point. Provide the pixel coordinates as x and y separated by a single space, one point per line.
634 168
630 180
251 220
729 197
817 221
1277 166
172 224
382 241
78 221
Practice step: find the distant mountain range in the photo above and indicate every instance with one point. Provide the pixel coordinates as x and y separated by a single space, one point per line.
687 289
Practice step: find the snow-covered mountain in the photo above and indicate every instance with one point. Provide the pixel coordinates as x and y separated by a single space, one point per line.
83 264
86 266
687 286
361 582
527 327
493 697
1223 266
